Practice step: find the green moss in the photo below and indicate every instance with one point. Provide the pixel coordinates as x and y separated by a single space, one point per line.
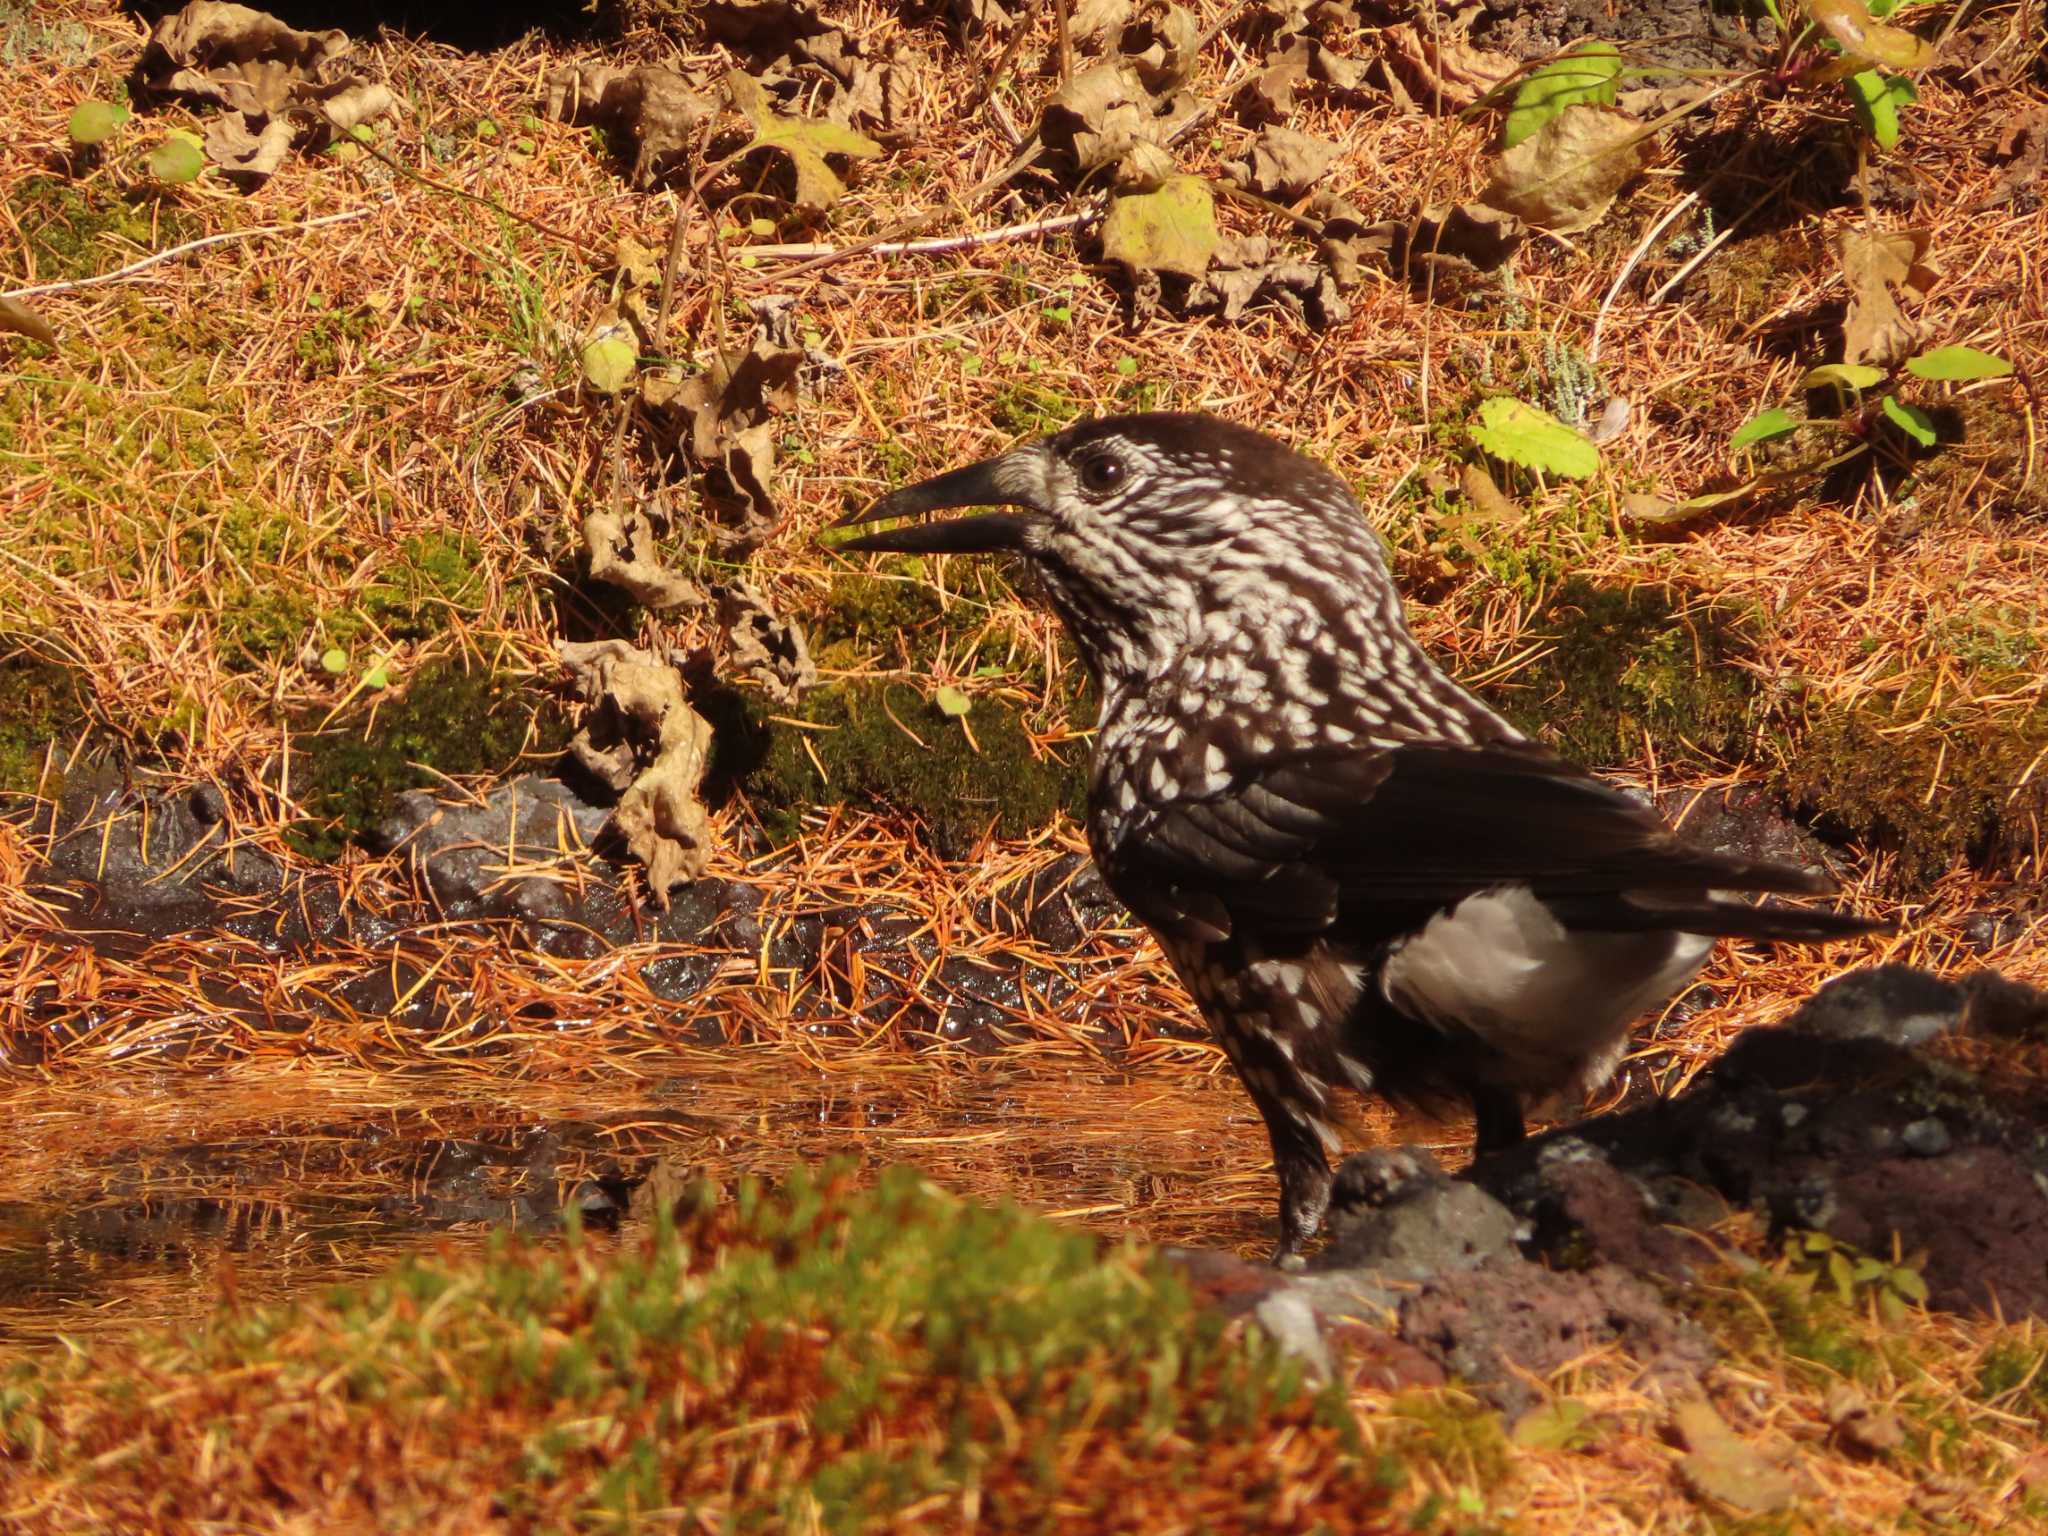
1031 410
1929 789
434 574
821 1356
79 229
40 701
955 785
444 718
1624 666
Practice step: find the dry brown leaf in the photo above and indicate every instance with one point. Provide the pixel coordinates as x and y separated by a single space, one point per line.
1104 117
1875 330
721 419
623 553
1245 271
1446 74
1486 498
1285 164
1463 238
1162 48
1268 97
652 115
240 149
1861 1425
762 647
1565 177
642 737
1723 1466
239 58
279 86
18 317
778 35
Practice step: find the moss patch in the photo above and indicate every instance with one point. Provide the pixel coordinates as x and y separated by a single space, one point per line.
40 701
1624 665
446 719
79 229
956 786
1931 793
821 1358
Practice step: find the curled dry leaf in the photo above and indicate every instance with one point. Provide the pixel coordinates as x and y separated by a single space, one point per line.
1284 164
762 647
722 419
623 553
1565 176
653 116
1445 74
868 92
1268 97
278 85
1875 330
1104 117
643 739
1246 270
1458 240
1162 48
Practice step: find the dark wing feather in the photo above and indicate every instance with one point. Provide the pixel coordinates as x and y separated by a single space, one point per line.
1409 830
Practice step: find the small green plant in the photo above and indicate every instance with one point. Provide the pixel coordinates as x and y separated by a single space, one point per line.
1866 395
1530 438
1848 42
1895 1287
92 123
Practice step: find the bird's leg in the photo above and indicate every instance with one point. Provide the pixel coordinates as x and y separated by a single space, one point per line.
1304 1179
1497 1113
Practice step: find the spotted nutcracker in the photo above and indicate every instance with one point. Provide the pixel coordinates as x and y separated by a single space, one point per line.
1367 879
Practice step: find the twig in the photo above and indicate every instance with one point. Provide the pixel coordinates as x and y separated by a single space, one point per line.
938 246
72 284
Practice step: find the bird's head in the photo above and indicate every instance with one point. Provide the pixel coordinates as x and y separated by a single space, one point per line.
1146 527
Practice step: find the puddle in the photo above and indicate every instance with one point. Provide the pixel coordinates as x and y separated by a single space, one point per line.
160 1200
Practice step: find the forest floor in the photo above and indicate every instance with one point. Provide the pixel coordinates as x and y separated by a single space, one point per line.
295 520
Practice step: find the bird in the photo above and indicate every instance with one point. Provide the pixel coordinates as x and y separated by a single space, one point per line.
1368 880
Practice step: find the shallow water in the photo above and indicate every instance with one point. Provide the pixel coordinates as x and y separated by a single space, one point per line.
144 1200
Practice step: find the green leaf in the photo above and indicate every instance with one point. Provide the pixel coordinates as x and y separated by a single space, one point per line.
805 140
177 160
1911 420
94 122
952 702
762 228
1877 99
1586 75
1172 229
1127 366
334 660
1909 1283
1950 364
1762 427
1518 433
377 675
1849 378
608 362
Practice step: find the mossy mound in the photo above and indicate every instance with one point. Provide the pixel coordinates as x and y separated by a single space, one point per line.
1624 666
80 229
822 1358
445 719
883 745
1932 792
41 701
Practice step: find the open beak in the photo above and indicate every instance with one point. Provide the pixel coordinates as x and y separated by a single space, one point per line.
1014 479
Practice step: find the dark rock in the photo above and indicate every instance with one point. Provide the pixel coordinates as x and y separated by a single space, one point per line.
1894 1003
1689 34
1747 821
465 846
1508 1316
1395 1211
2005 1009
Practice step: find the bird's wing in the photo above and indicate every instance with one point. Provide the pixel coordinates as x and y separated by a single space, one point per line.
1290 843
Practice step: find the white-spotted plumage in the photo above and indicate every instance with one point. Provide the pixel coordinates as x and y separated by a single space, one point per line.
1365 876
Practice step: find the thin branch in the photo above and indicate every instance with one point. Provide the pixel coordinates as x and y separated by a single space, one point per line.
937 246
171 252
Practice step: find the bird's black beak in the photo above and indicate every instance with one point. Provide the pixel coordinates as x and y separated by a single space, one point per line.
1012 479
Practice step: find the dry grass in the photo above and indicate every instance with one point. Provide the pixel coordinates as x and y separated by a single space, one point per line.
236 452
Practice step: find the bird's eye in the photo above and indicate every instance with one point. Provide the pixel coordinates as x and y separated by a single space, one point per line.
1101 473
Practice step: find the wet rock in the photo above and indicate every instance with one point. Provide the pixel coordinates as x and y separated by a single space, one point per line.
1394 1210
151 852
468 848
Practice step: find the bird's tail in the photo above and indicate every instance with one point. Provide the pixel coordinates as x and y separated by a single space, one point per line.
1773 920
